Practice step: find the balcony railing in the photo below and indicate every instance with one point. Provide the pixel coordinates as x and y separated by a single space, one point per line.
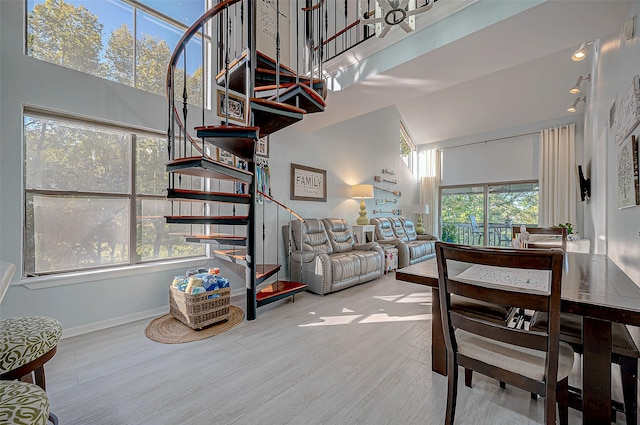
499 234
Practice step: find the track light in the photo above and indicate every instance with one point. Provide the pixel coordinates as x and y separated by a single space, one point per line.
573 107
581 53
576 89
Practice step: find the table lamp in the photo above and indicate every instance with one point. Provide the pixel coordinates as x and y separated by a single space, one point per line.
420 209
362 191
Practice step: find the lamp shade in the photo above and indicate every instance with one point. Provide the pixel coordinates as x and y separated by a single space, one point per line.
419 209
362 191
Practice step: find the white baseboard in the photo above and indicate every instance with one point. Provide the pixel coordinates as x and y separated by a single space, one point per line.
121 320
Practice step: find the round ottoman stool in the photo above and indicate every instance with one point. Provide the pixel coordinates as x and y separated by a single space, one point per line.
22 403
26 344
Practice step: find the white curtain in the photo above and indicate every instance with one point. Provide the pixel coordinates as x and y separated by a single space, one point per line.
429 188
558 191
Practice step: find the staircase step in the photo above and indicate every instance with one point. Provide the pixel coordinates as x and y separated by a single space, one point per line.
265 271
234 220
237 140
302 96
278 290
271 90
272 116
218 238
200 195
238 72
205 167
237 256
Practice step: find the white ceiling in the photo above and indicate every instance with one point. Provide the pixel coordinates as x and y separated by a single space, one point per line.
513 73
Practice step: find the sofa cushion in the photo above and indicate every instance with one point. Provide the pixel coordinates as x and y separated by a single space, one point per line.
409 228
339 233
370 261
312 234
384 233
345 266
398 229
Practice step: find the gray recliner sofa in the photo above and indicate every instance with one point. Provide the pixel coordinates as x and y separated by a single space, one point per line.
325 256
401 233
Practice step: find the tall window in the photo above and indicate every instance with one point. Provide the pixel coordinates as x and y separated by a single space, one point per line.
126 41
407 147
485 214
94 197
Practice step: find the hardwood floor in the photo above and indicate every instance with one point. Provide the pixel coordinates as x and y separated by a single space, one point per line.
359 356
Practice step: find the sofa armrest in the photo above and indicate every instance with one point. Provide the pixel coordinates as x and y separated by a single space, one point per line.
391 242
428 237
303 256
365 246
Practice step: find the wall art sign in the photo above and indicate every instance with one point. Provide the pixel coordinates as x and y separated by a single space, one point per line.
628 111
262 147
236 107
308 184
626 184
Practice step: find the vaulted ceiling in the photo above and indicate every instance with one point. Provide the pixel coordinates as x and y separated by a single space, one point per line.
514 72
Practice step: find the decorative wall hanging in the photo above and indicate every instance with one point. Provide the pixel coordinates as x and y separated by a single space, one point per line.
262 147
385 171
226 158
395 192
263 178
380 179
627 115
241 188
237 107
626 185
308 184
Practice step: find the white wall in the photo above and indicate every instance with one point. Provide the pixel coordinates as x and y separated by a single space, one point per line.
351 153
616 62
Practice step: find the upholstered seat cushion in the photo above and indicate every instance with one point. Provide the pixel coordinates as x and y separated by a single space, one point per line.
345 266
23 404
524 361
419 249
24 339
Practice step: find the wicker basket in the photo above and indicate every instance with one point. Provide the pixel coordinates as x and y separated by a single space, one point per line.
198 311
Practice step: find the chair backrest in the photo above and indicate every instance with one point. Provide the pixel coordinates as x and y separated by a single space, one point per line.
558 232
6 273
384 232
474 224
398 229
409 228
310 235
339 233
519 278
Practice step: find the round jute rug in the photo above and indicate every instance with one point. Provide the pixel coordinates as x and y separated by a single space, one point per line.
169 330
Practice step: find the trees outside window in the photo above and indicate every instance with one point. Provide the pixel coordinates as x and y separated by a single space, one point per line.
96 37
95 198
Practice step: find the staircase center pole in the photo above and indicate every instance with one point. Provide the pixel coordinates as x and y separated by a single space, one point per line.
252 56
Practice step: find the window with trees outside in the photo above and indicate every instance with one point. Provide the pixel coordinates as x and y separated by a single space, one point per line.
95 197
484 214
127 41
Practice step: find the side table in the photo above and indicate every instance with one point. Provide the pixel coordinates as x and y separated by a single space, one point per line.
364 234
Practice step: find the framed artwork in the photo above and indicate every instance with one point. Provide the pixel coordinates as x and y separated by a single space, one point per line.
226 158
262 147
627 115
308 184
237 107
626 184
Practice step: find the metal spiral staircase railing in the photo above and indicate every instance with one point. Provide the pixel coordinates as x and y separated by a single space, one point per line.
278 96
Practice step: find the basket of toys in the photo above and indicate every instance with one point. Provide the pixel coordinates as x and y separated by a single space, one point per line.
200 298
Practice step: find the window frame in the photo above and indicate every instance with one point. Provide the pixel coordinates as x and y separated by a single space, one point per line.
133 197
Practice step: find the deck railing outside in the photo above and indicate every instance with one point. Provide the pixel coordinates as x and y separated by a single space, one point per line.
462 233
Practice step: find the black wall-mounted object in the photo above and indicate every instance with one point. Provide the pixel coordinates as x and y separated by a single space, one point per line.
585 185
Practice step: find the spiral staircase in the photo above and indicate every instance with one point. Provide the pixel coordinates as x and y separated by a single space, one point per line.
277 96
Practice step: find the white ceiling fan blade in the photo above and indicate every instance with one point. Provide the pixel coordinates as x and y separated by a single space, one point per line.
421 9
405 26
384 31
372 21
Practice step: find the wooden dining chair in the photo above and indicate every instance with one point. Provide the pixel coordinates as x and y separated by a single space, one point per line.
536 362
559 232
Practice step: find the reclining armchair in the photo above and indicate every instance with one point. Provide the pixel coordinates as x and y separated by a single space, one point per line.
401 233
325 256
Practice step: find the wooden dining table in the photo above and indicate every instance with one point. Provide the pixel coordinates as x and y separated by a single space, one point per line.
594 287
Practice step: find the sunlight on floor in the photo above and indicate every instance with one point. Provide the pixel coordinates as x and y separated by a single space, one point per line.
421 298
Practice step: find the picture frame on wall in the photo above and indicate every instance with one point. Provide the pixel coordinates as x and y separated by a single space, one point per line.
262 147
226 158
237 107
627 166
308 183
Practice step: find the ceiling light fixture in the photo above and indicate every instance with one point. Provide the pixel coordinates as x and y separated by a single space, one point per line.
574 106
576 89
581 53
389 13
